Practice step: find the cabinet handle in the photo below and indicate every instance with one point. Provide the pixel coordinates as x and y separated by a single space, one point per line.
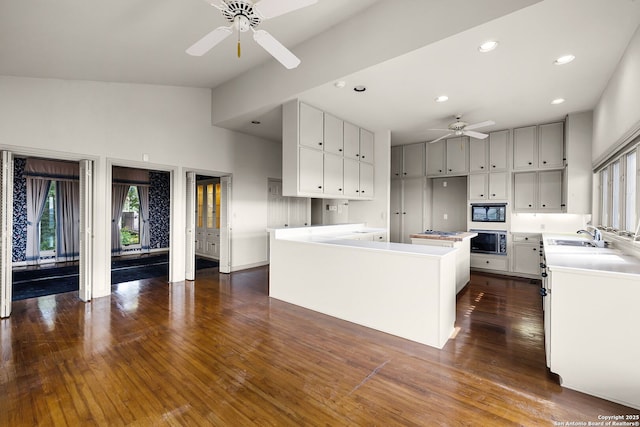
450 170
544 206
544 274
487 261
481 167
397 174
482 195
286 225
357 191
319 186
534 249
339 189
493 166
357 155
526 238
363 157
397 213
543 265
404 213
493 195
530 163
563 205
362 191
319 143
439 170
544 162
340 149
529 205
404 173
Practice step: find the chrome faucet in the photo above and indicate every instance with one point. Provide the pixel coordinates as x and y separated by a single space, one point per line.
596 236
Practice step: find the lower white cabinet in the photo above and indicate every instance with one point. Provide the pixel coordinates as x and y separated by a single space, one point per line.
490 262
208 243
407 208
526 254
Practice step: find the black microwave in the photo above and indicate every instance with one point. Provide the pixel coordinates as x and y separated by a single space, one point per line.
489 212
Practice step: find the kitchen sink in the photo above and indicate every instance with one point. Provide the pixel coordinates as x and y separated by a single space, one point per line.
583 243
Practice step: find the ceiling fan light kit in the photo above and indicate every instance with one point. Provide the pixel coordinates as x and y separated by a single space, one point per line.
244 15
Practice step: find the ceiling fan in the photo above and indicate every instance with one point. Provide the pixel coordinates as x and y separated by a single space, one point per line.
459 128
245 15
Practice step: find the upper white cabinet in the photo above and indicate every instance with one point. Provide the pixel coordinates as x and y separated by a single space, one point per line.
324 156
311 126
525 148
491 186
538 147
478 155
551 145
333 134
448 157
408 161
538 191
498 151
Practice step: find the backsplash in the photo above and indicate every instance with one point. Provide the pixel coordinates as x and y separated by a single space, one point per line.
548 222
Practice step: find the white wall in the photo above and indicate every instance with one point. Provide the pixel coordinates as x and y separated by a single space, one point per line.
617 114
113 123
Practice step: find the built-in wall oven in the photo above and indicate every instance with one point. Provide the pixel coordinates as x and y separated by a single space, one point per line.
492 242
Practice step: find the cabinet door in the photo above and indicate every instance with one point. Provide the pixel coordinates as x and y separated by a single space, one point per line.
333 175
311 126
351 178
498 186
366 180
333 134
396 161
457 155
311 170
525 148
366 146
478 155
414 158
413 208
550 190
524 191
478 186
299 211
551 145
435 158
498 149
351 141
526 258
395 214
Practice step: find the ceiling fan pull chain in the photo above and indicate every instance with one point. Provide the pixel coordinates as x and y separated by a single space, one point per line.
238 44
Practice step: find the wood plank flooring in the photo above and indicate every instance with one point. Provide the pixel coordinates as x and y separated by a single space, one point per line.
219 351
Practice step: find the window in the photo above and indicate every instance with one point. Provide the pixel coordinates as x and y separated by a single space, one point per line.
130 219
604 183
630 193
615 196
48 221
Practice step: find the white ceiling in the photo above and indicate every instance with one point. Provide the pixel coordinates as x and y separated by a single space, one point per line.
143 41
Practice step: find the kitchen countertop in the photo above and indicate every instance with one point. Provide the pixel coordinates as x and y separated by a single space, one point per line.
452 237
608 260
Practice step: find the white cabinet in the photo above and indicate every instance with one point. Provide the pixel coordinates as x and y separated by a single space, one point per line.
311 171
539 191
311 126
448 157
538 147
525 148
333 134
408 161
286 211
490 262
435 158
457 155
366 146
478 155
333 174
488 186
407 208
551 146
498 151
318 151
526 254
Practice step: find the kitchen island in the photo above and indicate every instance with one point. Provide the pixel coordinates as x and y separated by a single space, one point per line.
460 240
401 289
590 317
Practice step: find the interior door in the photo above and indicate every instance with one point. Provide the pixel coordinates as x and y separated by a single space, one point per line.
225 224
190 238
6 231
86 230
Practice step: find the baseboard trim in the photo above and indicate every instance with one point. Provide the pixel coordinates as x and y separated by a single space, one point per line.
248 266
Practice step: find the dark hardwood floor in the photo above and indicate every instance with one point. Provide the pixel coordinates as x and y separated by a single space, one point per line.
218 351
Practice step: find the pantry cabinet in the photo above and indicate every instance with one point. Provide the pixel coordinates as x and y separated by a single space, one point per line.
407 208
324 156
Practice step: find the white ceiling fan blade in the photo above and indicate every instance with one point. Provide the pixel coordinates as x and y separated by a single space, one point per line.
206 43
272 8
479 125
446 130
276 49
442 137
474 134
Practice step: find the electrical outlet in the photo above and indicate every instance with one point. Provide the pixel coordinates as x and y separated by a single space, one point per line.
445 216
541 226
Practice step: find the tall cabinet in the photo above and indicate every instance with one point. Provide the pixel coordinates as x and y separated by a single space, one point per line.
408 191
207 240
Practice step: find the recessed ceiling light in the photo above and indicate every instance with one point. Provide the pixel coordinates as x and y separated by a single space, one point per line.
442 98
360 88
565 59
557 101
488 46
255 122
340 84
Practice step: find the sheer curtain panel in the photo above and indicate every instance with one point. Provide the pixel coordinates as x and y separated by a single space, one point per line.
143 196
119 196
37 190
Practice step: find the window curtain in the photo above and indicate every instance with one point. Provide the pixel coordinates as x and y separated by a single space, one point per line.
37 190
143 196
119 196
68 220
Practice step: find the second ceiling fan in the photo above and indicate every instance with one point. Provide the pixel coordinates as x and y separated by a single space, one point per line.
245 15
460 128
